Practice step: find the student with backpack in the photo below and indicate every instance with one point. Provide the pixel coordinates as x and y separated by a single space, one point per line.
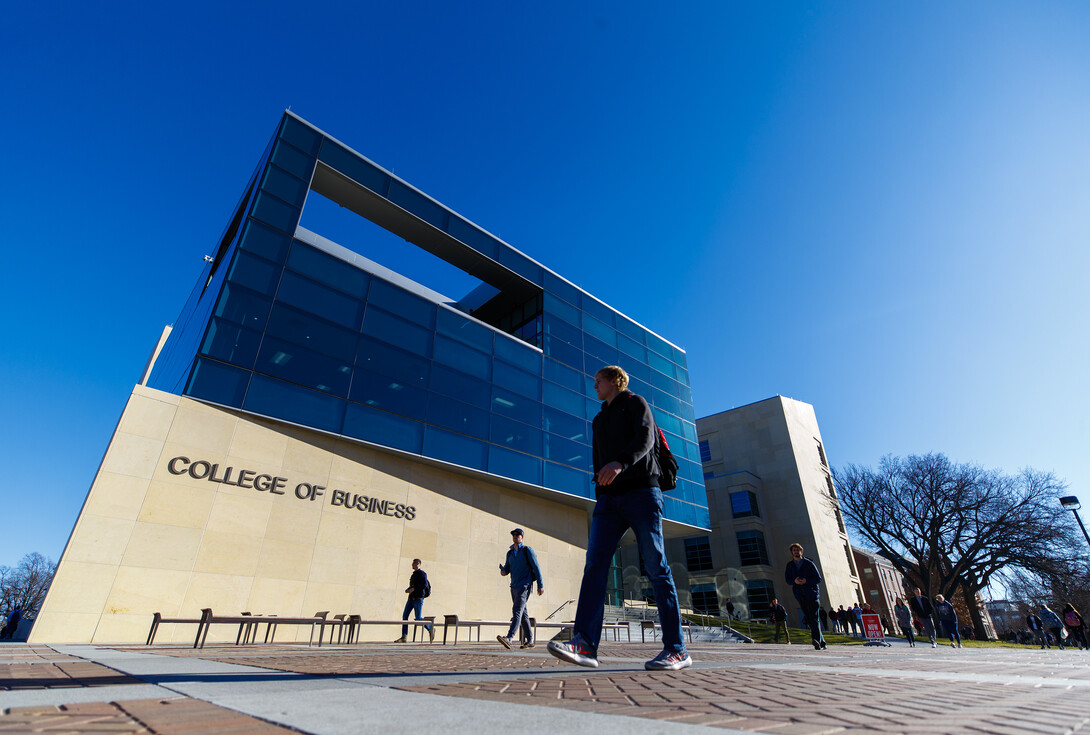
419 588
521 565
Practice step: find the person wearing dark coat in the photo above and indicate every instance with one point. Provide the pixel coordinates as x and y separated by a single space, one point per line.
1076 628
802 574
779 619
921 607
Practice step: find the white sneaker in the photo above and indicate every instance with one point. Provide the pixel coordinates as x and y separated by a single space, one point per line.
574 653
669 661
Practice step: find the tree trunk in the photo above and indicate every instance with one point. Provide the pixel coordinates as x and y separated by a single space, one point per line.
979 629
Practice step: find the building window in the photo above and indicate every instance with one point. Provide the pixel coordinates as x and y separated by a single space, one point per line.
829 483
705 451
698 554
744 503
759 593
868 572
751 548
851 567
705 599
821 455
840 521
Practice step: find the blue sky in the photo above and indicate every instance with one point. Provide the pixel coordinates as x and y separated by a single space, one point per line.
876 208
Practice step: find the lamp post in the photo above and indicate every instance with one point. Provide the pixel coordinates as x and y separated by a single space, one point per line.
1071 503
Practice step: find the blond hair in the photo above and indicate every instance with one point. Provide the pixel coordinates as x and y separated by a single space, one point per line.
614 374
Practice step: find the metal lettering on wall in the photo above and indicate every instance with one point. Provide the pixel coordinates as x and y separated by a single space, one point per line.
204 470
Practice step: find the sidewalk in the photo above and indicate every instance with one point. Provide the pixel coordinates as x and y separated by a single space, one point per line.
482 688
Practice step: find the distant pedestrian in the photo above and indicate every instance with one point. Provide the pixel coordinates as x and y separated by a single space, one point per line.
948 616
904 620
845 620
521 565
1037 628
857 613
1053 624
1076 628
823 617
419 588
833 619
802 574
730 609
779 619
922 608
12 625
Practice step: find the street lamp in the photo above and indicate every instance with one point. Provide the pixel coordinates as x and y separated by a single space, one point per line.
1071 503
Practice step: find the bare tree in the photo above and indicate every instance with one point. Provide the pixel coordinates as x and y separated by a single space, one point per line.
949 528
24 586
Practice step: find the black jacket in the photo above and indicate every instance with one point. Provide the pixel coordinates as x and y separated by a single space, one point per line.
417 582
779 614
922 607
624 431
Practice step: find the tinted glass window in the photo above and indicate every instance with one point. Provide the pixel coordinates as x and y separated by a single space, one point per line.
457 416
557 327
300 136
565 400
290 362
466 359
599 351
599 331
520 264
265 241
243 306
284 186
666 401
599 311
254 272
576 454
661 364
636 369
705 451
743 504
389 394
454 448
667 422
631 348
389 328
518 353
698 554
472 236
458 385
272 211
417 203
231 343
311 332
219 383
556 285
561 309
401 302
751 548
292 403
515 435
383 428
564 352
514 465
516 406
326 269
382 358
294 160
325 302
519 381
464 330
631 330
568 480
568 377
566 425
354 167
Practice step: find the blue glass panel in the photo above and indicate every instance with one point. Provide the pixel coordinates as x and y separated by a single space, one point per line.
517 466
309 296
454 448
639 387
565 400
231 343
593 406
389 328
457 416
290 362
270 397
254 272
686 395
666 421
243 306
631 348
383 428
576 454
676 443
598 351
293 160
519 381
671 387
637 370
515 435
665 401
464 330
516 406
661 346
660 363
683 376
311 332
272 211
693 451
599 331
631 330
415 202
475 238
566 426
556 327
461 386
341 159
299 135
568 480
564 352
389 394
326 269
556 285
599 311
265 241
520 264
280 183
561 308
401 302
219 383
679 357
571 379
464 358
382 358
689 430
518 353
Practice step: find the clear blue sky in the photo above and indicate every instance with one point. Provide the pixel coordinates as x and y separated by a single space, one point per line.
877 208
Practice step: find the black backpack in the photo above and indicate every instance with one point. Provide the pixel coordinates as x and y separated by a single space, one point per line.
667 462
427 587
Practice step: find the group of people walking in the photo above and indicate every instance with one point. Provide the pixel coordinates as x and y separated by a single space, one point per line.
1050 628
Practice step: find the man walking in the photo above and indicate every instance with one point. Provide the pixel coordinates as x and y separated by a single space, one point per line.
779 618
921 607
418 589
802 574
522 566
626 477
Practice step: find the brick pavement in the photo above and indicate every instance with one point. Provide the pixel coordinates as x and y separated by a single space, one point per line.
180 715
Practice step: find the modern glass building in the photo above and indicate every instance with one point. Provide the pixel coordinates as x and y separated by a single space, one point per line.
287 324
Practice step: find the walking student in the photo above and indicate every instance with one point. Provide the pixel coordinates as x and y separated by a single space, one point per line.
521 565
922 608
948 616
1055 626
419 588
904 620
626 486
779 619
802 574
1076 628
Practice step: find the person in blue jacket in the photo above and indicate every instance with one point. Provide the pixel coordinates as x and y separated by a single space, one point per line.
522 566
802 574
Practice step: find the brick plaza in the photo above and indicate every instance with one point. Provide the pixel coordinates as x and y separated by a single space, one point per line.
482 688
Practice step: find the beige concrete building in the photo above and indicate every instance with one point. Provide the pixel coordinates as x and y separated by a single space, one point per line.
769 485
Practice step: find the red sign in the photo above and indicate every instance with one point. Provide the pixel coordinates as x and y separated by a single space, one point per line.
872 626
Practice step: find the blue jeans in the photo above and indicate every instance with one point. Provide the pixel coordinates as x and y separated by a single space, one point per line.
810 618
416 606
520 619
640 510
951 628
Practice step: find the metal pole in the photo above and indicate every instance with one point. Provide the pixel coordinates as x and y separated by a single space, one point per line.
1084 533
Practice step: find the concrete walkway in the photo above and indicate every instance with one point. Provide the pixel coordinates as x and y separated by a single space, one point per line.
481 688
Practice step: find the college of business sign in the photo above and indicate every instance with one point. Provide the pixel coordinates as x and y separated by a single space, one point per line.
275 485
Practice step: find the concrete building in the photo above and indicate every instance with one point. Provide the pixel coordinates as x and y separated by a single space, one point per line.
314 420
881 583
769 485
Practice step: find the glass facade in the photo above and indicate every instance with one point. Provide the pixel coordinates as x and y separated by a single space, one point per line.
288 325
